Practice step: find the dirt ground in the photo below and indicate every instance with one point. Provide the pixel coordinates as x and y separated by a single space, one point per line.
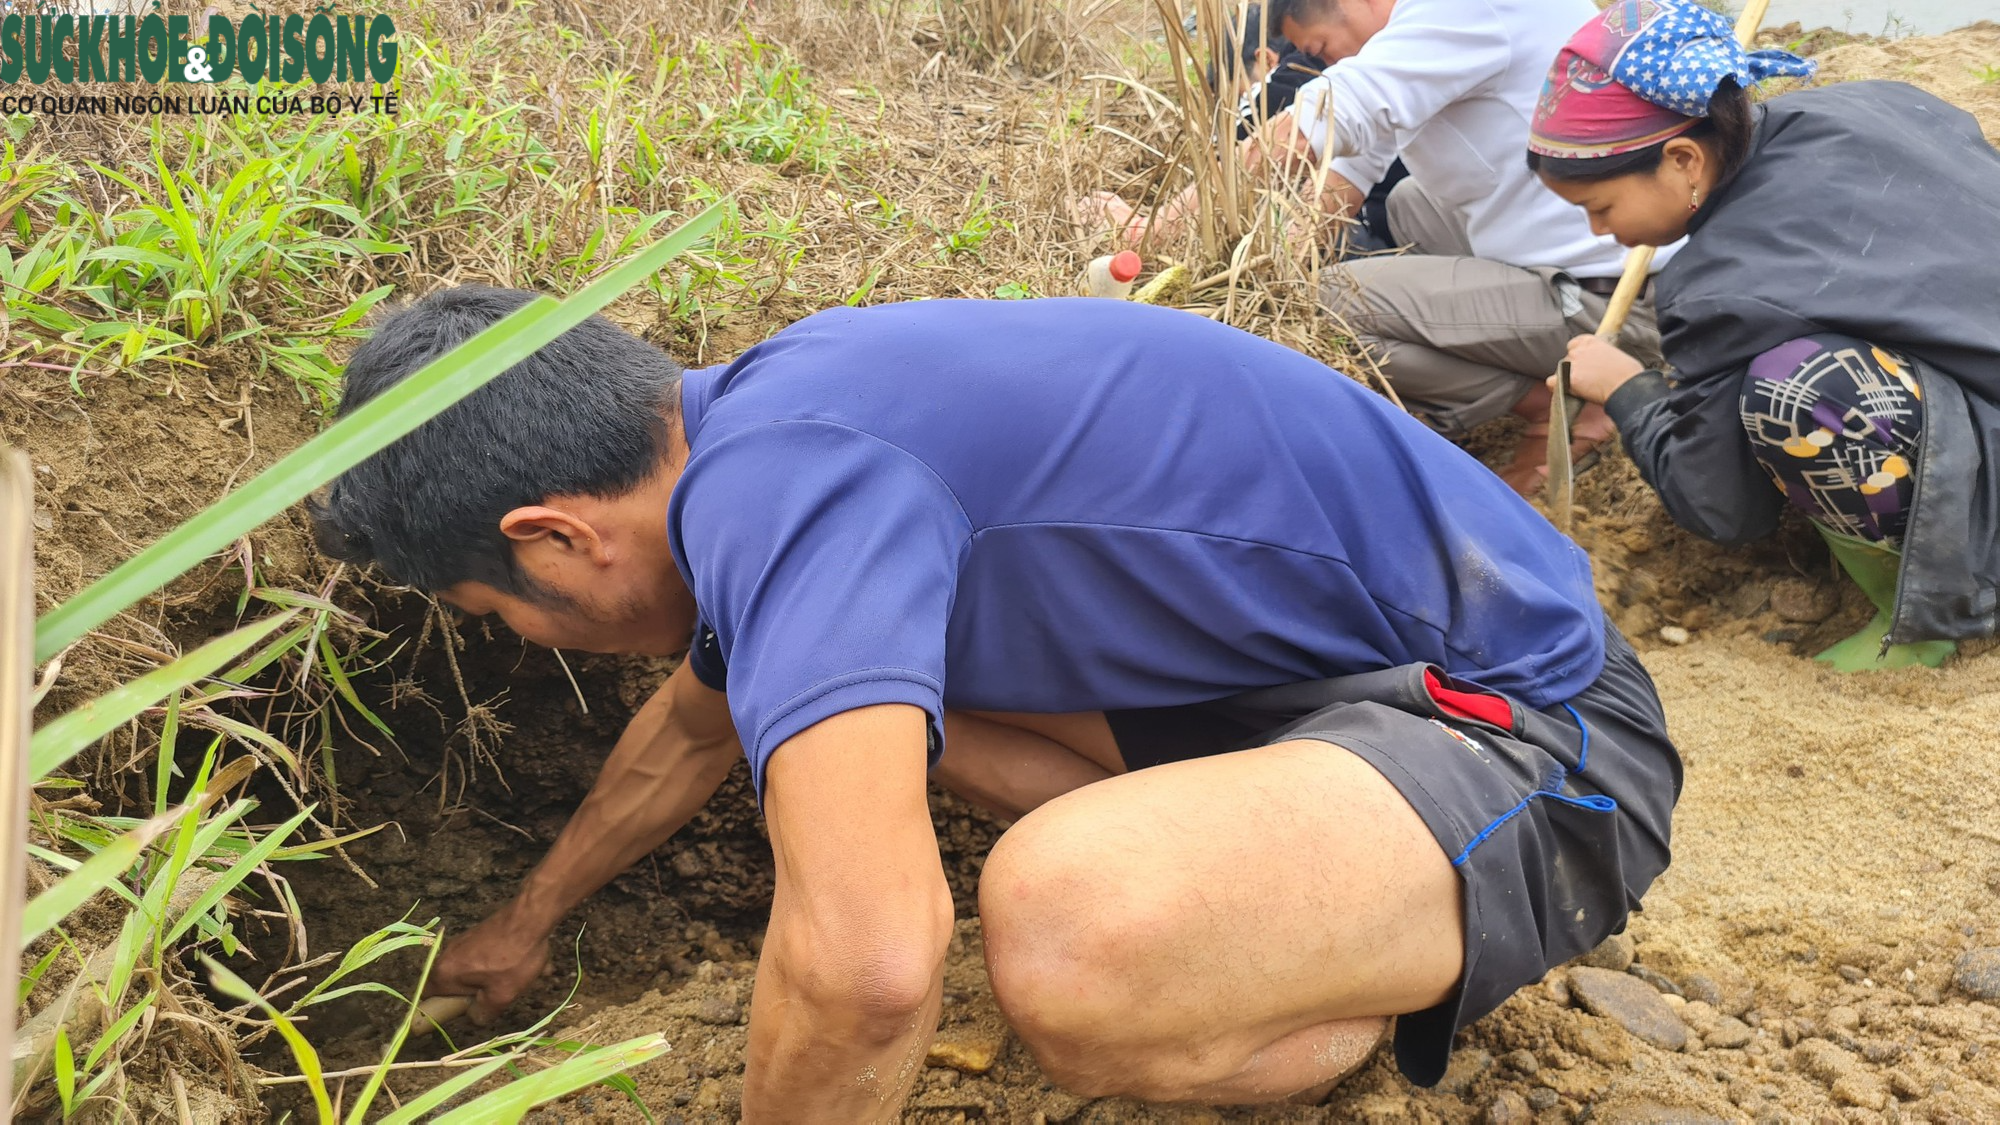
1837 847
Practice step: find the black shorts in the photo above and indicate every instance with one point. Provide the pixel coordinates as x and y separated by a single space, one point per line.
1557 820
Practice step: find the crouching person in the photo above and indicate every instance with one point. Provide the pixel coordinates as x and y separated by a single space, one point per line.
1302 729
1799 375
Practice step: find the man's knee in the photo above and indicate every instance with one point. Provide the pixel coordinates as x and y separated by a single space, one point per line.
1068 946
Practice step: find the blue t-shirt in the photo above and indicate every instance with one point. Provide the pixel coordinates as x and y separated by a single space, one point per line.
1085 505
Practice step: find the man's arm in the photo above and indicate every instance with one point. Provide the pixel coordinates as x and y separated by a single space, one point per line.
852 974
667 764
1290 149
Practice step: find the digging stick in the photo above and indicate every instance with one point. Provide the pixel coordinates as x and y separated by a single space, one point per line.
1638 266
17 683
436 1010
17 678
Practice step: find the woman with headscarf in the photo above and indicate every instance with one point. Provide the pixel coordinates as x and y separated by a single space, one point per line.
1831 322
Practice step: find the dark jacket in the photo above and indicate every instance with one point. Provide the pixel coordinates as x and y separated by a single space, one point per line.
1870 209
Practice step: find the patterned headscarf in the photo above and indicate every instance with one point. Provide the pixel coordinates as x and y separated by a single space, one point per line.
1642 71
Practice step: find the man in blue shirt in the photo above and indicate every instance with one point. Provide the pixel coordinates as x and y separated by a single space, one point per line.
1305 719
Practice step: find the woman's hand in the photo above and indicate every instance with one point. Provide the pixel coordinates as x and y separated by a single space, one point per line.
1597 368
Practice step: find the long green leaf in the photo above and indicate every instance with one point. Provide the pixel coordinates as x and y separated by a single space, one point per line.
346 443
229 880
231 985
117 1031
512 1101
62 739
93 875
413 1111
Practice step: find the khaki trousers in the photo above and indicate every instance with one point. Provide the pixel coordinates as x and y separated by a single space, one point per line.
1462 339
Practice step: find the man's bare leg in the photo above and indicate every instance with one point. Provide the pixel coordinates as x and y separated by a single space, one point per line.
1010 763
1226 929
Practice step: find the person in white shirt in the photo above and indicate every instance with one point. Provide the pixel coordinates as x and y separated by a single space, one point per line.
1499 275
1263 73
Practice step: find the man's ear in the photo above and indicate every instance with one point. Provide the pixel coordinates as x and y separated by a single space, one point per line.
553 527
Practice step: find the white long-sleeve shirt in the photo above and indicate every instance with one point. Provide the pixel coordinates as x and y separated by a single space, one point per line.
1451 85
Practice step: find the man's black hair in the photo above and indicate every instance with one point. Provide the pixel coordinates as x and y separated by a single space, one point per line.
587 414
1729 130
1303 12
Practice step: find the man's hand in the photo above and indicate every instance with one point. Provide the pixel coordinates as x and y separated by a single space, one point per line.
852 976
1279 140
666 766
492 962
1597 368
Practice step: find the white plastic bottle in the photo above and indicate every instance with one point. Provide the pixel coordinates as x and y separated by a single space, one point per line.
1112 275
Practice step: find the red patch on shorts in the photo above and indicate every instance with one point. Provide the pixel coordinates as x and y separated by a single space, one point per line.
1478 706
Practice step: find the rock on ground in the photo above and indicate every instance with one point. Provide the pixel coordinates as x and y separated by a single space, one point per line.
1629 1002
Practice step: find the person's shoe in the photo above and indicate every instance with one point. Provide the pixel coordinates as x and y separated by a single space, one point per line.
1875 568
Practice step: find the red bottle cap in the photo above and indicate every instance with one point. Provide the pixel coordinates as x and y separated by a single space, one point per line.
1124 266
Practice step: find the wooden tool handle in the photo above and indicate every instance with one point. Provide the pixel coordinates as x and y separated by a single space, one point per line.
435 1010
1751 19
1639 260
1638 266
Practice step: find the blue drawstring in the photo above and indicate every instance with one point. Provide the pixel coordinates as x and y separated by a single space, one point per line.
1551 790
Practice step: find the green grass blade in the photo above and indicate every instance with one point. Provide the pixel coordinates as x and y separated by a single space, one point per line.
376 1077
231 985
346 443
117 1031
229 880
414 1110
62 739
93 875
512 1101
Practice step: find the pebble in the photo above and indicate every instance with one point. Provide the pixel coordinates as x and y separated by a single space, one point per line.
1541 1099
1510 1108
968 1050
1807 603
1614 953
1700 1016
1881 1050
1727 990
1674 635
711 1094
1860 1089
1978 973
1464 1069
1584 1084
1604 1043
1729 1034
1655 978
1749 600
1842 1074
718 1010
1523 1061
1625 999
